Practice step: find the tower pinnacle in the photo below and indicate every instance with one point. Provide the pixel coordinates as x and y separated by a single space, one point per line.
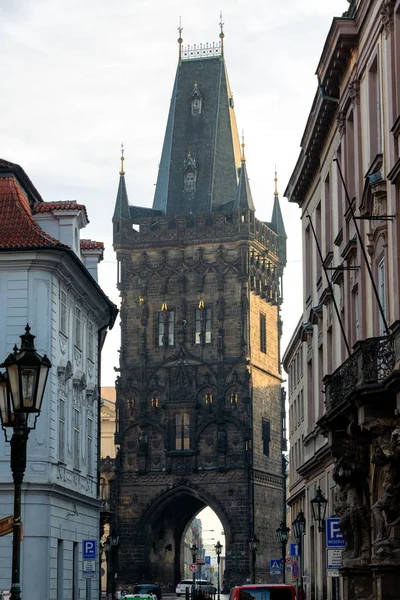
221 35
276 183
180 40
122 172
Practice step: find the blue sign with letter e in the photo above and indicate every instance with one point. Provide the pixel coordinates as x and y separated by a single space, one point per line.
334 537
88 549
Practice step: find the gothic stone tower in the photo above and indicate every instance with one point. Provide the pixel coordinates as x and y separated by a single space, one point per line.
199 402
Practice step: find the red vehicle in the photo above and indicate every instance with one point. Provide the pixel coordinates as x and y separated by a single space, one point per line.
263 591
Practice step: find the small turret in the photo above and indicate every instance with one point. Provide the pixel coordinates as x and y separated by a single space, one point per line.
121 211
278 226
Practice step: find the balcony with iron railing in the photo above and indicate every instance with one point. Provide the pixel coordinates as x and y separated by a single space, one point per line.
372 362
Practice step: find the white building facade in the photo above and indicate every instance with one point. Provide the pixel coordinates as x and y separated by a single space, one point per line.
48 278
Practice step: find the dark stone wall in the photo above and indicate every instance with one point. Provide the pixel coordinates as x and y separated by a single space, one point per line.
223 389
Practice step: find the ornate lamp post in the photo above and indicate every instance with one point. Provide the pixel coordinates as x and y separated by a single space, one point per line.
21 394
111 548
193 550
318 507
282 533
218 548
253 545
299 527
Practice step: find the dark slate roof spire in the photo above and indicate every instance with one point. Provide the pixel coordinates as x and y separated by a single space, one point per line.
277 220
204 122
244 199
121 210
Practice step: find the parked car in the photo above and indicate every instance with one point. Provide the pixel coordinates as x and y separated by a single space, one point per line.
202 585
147 588
261 591
140 590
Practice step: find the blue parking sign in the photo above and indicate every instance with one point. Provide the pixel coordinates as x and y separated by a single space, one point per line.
207 560
334 537
88 549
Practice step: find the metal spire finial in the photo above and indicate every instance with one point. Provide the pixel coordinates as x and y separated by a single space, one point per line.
122 172
221 35
276 183
243 145
180 40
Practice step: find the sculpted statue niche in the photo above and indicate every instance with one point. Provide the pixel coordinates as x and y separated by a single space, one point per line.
352 505
386 510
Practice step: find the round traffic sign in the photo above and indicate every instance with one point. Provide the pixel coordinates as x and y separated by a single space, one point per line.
193 567
288 560
295 569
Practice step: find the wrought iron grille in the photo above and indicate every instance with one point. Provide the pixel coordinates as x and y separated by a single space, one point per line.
372 362
201 51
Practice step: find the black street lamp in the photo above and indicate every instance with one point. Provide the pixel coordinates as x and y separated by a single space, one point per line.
318 507
21 394
282 533
253 545
193 550
299 527
111 548
218 548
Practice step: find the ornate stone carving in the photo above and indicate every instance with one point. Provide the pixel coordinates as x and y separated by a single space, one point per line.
386 510
352 503
354 90
341 121
386 13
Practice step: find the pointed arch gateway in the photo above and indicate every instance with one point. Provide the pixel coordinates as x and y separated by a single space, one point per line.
162 529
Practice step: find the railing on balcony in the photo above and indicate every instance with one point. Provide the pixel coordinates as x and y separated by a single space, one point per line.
372 361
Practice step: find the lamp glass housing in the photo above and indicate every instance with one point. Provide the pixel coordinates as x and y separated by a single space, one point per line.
218 548
5 409
318 506
27 373
253 543
299 525
282 533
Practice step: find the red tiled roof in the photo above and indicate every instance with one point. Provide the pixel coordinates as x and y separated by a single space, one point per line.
60 205
91 245
7 168
17 227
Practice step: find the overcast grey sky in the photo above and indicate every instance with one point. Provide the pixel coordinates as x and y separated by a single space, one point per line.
78 77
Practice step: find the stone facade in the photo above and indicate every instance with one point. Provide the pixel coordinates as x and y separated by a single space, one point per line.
199 411
346 182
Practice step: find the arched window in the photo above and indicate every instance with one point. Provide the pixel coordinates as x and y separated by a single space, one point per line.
196 100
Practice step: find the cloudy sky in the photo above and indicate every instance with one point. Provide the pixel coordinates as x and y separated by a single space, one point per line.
78 77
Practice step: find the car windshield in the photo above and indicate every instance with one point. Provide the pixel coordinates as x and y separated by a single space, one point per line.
143 589
265 594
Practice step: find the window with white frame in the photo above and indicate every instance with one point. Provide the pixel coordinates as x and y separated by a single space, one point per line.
90 341
77 433
63 313
61 429
382 294
90 446
78 327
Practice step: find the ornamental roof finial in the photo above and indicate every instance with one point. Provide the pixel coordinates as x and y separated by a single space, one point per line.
276 183
180 40
221 35
243 158
122 172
